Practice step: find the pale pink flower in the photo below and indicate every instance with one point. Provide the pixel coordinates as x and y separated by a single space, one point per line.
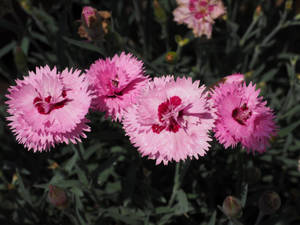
171 120
243 117
199 15
236 77
117 83
49 107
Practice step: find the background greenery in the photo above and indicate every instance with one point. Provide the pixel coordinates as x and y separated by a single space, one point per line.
105 179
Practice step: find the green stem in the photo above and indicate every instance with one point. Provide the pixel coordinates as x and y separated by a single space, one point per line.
259 218
250 28
85 169
176 184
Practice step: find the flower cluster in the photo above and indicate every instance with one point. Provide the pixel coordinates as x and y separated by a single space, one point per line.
167 119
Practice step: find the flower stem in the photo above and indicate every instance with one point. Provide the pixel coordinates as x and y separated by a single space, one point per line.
259 218
180 171
176 184
85 169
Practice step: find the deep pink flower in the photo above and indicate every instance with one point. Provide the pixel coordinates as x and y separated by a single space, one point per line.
243 117
87 13
49 107
117 83
199 15
171 120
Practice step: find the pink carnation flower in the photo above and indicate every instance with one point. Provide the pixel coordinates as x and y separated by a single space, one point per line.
199 15
49 107
236 77
243 117
117 83
171 120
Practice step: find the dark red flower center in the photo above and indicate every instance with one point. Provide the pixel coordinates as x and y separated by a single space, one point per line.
115 90
241 114
168 116
201 8
46 105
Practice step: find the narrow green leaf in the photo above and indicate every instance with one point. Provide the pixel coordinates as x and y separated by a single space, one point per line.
244 194
212 220
269 75
84 45
71 162
285 131
182 205
23 191
7 48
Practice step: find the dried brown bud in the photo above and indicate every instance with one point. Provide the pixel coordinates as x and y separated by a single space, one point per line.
57 197
232 207
94 23
269 202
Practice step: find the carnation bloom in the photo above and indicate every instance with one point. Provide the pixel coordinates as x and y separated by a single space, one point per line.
199 15
49 107
117 83
236 77
171 120
243 117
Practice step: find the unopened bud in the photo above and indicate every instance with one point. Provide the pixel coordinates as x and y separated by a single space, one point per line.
253 175
269 202
261 85
53 166
94 23
232 207
279 3
181 42
88 15
171 57
249 74
57 197
257 12
288 4
159 12
26 5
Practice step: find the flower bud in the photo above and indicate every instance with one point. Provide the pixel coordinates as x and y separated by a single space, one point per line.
288 4
181 42
94 23
232 207
269 202
257 12
159 12
57 197
253 175
26 5
171 57
279 3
